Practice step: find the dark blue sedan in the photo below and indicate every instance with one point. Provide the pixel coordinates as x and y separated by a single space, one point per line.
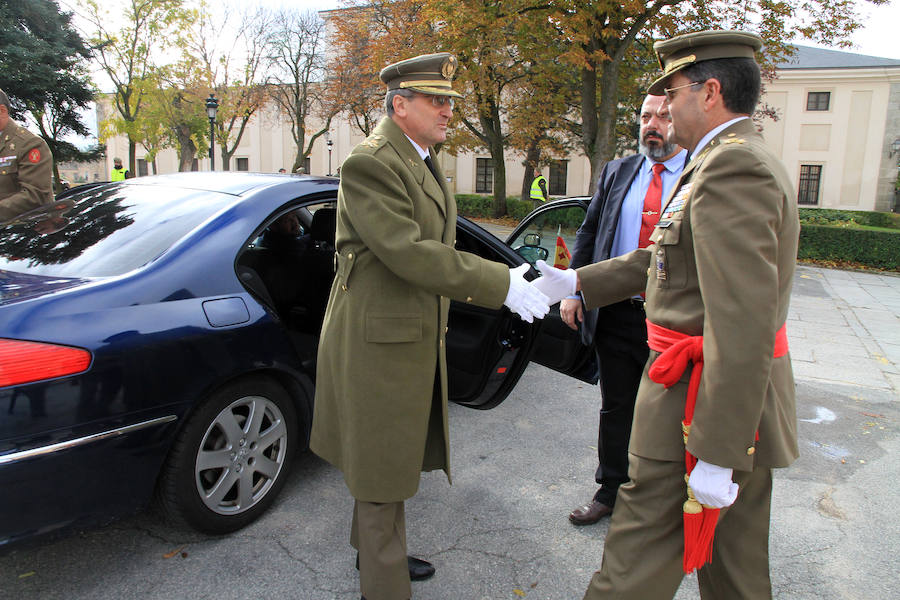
158 339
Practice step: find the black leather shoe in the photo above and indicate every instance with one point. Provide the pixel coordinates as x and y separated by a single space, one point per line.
418 569
589 513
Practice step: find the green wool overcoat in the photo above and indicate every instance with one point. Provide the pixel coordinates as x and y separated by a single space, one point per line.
722 266
381 378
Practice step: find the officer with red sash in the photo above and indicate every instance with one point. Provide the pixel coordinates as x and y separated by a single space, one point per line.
716 403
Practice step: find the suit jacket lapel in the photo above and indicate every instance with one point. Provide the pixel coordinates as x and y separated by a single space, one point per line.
612 209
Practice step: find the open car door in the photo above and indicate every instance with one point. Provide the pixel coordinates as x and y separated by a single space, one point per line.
556 346
488 350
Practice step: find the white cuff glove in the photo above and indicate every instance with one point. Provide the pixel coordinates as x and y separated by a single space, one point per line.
523 298
555 283
712 485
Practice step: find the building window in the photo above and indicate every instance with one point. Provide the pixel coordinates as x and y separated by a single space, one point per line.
810 176
243 164
818 100
484 176
558 172
142 167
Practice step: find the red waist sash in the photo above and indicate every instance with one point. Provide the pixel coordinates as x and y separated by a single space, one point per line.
676 349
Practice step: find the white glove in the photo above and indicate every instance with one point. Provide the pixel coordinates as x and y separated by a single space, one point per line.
523 298
555 283
712 485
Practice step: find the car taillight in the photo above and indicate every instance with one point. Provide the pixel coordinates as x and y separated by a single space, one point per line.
25 362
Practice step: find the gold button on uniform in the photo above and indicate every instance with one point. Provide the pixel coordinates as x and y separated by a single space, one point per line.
751 451
468 298
350 256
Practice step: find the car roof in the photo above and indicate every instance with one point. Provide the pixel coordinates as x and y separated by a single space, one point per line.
227 182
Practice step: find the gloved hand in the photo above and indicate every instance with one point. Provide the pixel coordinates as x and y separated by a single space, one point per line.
555 283
712 485
523 298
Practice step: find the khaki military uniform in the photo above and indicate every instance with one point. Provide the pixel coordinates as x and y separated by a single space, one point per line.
26 178
722 267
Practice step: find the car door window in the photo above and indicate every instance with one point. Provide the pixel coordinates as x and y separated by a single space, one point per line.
537 240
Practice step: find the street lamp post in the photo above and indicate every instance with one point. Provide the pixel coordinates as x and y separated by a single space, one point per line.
212 105
329 143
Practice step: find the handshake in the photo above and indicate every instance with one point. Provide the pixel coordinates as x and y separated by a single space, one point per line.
534 299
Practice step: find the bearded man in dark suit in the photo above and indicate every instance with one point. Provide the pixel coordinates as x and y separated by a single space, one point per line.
625 206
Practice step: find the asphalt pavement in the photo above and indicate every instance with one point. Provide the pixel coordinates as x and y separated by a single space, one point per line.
500 531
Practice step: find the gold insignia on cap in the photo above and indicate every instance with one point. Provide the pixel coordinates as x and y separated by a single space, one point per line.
449 67
678 63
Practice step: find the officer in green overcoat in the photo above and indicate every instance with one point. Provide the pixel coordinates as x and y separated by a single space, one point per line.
718 282
381 380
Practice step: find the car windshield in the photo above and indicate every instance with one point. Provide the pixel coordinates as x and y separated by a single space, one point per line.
105 231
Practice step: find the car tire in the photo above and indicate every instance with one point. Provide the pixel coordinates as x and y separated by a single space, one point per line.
231 458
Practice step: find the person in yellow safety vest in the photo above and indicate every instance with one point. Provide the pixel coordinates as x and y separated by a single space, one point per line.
538 189
119 173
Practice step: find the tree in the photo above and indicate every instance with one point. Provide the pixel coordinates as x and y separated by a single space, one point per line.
125 55
366 36
231 51
352 84
295 56
602 33
43 71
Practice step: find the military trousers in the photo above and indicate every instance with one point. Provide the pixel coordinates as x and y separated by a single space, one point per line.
378 533
642 557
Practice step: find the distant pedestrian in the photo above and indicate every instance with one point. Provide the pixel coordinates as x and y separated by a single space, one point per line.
119 173
538 189
26 167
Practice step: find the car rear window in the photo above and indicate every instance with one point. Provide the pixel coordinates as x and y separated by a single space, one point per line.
108 231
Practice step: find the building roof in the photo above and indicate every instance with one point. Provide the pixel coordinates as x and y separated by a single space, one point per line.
808 57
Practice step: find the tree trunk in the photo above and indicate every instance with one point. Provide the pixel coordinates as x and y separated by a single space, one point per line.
493 135
186 150
226 158
57 185
132 160
531 162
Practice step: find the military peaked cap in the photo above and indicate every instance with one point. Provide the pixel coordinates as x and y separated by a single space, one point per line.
684 50
426 74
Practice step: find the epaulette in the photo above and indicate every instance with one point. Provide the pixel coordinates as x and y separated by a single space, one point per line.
373 141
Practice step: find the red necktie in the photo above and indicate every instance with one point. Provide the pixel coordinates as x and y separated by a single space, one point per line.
652 205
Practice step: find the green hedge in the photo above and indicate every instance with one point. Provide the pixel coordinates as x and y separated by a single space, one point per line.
825 234
828 216
476 205
878 249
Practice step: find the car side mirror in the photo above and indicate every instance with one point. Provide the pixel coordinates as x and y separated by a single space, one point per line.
533 253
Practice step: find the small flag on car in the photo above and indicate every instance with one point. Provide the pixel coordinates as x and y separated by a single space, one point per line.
562 258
